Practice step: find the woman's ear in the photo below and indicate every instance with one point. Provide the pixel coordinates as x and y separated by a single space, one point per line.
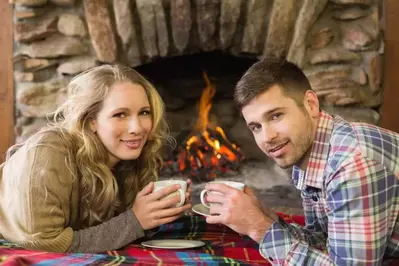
93 126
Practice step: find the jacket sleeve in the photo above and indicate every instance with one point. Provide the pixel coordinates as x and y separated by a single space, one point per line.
40 196
113 234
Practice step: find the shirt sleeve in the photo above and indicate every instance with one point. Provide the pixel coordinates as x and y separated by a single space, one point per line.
359 197
290 244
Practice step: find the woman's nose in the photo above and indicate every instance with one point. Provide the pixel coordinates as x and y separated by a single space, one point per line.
135 126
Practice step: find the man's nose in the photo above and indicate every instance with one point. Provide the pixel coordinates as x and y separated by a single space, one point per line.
269 134
135 126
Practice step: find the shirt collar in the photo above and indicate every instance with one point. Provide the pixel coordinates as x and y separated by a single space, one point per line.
318 156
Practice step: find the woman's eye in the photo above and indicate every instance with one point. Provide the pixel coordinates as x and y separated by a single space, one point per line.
146 112
119 115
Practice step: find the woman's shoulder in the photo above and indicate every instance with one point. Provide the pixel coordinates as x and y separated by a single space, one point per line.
43 145
52 141
43 156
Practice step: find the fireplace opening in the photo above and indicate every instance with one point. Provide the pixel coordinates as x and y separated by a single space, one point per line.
205 151
200 86
182 76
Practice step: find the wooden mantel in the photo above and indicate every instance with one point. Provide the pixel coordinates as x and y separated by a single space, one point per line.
389 110
6 79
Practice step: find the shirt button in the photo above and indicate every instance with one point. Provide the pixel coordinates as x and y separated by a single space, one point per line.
270 258
314 198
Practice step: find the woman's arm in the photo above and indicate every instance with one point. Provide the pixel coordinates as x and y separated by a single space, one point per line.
113 234
37 202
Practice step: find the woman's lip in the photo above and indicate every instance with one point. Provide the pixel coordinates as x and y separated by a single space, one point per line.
132 144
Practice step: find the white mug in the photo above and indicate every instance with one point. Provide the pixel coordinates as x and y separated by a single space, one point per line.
237 185
158 185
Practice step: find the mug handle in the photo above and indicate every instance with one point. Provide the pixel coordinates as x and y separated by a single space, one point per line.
182 197
202 196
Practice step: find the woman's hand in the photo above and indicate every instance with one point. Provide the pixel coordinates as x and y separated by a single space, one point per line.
152 209
188 192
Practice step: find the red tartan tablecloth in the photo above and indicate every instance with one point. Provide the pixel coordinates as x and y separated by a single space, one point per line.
223 246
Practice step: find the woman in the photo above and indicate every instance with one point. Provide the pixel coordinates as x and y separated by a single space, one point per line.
83 184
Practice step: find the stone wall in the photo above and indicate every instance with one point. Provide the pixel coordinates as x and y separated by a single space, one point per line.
338 43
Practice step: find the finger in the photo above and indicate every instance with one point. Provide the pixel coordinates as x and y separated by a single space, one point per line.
167 202
249 192
164 192
146 190
163 213
215 198
216 209
189 182
188 197
222 188
167 220
214 219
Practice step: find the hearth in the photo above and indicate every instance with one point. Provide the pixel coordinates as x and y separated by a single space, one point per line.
203 86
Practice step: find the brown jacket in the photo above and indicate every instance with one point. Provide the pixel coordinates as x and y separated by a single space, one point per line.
39 205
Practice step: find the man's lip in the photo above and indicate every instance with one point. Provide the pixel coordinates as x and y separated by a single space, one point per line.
283 144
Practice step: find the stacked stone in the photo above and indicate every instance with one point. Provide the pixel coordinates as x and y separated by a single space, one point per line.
337 42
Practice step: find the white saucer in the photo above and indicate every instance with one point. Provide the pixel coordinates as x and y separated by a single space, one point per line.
172 243
201 209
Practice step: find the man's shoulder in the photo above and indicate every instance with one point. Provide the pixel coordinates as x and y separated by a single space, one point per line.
367 140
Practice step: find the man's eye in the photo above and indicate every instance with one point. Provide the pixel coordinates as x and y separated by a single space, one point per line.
255 128
119 115
276 116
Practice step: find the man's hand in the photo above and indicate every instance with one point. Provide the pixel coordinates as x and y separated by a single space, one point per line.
240 211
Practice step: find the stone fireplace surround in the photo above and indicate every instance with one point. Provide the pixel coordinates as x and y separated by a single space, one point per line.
337 42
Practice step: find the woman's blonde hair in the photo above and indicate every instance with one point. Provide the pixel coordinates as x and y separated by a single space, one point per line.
101 194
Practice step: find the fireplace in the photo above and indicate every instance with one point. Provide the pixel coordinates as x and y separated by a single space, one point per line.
338 43
198 91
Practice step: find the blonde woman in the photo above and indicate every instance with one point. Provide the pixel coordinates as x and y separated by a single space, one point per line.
84 183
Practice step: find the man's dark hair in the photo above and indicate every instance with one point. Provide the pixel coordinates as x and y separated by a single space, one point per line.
267 73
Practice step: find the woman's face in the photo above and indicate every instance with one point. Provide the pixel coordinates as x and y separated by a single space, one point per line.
124 122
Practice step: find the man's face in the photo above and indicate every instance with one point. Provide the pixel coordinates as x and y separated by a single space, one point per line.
283 130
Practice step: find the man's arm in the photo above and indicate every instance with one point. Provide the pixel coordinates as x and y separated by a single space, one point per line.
359 198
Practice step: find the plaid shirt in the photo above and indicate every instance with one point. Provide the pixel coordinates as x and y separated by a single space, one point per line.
350 197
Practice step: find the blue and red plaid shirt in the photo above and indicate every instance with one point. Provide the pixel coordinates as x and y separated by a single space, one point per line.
350 193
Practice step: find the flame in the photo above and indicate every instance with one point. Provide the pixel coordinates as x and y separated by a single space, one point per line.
207 150
205 104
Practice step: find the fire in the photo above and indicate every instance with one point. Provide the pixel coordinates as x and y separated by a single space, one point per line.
206 152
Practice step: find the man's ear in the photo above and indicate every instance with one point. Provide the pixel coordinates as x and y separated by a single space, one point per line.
311 102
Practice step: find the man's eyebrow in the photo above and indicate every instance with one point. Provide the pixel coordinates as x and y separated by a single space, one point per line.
271 111
252 124
266 113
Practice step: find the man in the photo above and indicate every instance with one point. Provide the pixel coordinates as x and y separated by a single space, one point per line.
345 171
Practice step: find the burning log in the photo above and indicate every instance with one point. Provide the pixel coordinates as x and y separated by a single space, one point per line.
204 153
203 157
